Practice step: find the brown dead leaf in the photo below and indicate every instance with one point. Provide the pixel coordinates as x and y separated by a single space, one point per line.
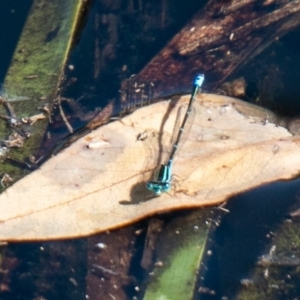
98 183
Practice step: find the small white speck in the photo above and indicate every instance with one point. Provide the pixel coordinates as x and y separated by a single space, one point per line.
3 151
266 274
73 281
100 246
159 264
142 136
272 250
265 121
94 145
224 108
138 232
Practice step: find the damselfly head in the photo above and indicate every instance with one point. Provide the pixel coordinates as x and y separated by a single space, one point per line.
157 188
199 80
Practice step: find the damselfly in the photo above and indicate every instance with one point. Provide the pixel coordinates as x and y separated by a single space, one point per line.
162 179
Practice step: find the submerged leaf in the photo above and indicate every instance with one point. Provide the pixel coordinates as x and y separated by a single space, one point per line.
35 71
98 183
179 254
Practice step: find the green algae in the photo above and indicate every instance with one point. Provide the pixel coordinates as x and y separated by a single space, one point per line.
181 250
36 68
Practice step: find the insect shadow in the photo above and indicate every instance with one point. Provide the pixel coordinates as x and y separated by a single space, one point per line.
139 193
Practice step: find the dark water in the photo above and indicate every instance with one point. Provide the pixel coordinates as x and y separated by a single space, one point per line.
246 233
13 15
57 270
